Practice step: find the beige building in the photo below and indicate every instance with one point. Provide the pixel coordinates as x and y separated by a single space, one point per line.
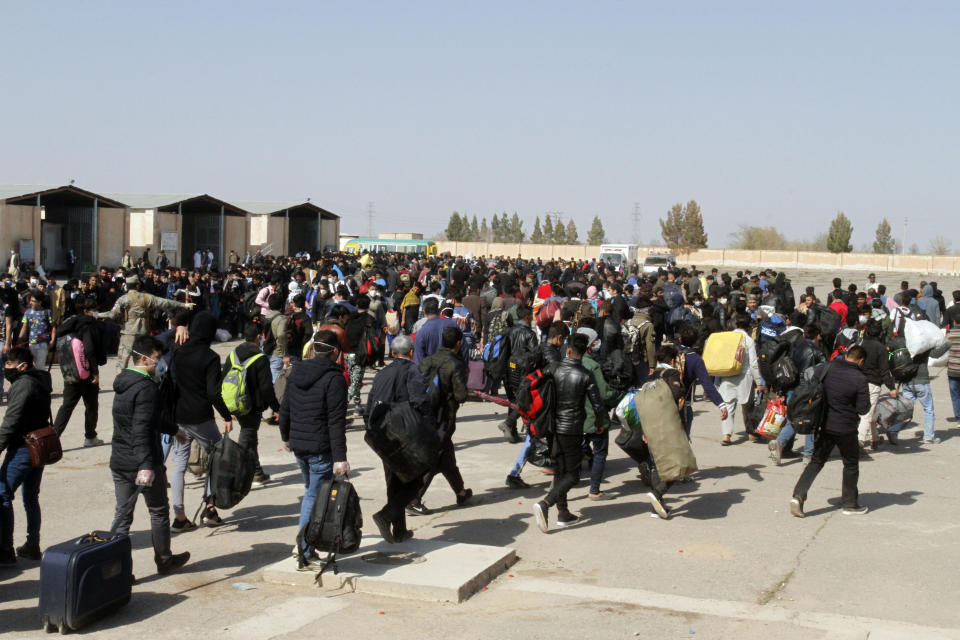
44 222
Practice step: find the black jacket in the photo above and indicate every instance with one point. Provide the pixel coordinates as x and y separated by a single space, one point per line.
524 349
28 406
549 355
876 366
88 329
401 381
197 370
846 394
807 355
452 382
611 338
574 385
136 424
313 414
259 378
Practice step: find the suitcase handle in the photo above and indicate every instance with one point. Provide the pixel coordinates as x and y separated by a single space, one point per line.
91 537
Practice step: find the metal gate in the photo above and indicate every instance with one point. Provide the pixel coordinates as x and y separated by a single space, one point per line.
78 233
200 231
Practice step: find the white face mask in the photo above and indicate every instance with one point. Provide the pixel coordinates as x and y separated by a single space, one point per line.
723 301
863 319
34 281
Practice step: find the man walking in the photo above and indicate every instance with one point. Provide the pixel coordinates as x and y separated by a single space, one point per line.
137 457
847 397
573 386
85 328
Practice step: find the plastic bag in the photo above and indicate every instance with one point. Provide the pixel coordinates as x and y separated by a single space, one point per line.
773 419
922 336
626 410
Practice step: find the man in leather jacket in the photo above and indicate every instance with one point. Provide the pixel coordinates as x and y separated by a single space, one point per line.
573 385
524 348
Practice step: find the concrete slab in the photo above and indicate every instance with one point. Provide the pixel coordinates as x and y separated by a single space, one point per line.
431 570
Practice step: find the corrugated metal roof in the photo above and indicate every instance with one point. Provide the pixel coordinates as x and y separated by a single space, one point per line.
151 200
18 191
266 207
8 191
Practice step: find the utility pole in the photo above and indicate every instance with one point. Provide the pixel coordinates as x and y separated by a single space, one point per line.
636 223
903 247
370 219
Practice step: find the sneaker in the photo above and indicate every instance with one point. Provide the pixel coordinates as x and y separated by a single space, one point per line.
260 479
855 511
796 507
540 514
465 498
29 551
567 519
933 440
8 558
418 509
92 442
310 563
516 482
892 438
657 505
180 526
173 563
510 433
402 536
596 497
775 452
383 526
211 518
806 460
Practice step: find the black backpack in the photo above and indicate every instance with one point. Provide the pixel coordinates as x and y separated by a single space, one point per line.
785 375
231 468
335 523
902 366
807 409
617 370
771 351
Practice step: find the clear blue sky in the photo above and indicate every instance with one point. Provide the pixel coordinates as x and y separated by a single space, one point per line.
764 112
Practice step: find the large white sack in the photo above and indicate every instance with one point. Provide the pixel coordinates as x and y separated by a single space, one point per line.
922 335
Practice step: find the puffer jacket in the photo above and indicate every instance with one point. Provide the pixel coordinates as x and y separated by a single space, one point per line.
88 330
451 377
574 384
136 423
313 412
807 355
549 355
28 406
198 374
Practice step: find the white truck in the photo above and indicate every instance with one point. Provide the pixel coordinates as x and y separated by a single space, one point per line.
618 254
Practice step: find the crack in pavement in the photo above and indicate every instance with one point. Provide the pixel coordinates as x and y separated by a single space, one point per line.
781 584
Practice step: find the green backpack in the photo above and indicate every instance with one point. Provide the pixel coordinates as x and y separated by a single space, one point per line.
234 389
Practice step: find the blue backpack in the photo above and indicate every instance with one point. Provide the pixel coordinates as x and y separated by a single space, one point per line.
496 355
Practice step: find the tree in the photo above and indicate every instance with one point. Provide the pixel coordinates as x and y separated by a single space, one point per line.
838 238
694 236
484 231
884 242
671 229
596 235
940 246
504 226
572 235
750 237
455 227
559 233
536 236
495 232
516 229
548 229
914 249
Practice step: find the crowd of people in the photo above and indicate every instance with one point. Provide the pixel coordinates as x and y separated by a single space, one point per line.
310 327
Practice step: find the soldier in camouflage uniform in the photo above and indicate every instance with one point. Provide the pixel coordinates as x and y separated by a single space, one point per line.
136 308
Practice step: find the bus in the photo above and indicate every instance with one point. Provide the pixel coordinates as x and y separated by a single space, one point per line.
382 245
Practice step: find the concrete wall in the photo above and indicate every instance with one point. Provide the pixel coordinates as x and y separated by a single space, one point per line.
111 236
236 236
276 236
722 257
18 223
330 234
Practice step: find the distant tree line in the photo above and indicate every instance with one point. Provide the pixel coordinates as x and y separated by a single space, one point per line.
509 229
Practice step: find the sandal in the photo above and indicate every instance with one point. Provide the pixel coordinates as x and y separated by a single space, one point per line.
726 441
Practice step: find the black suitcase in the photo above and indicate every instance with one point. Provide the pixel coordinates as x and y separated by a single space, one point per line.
84 579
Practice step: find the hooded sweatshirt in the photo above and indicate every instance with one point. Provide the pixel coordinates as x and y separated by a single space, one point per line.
197 369
314 409
28 406
136 427
929 305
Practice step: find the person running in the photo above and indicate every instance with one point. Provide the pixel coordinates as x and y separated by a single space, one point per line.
847 397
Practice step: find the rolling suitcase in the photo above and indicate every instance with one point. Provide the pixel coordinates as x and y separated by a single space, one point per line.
85 578
477 377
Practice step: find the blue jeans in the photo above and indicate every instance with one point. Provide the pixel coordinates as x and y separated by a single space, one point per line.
600 442
522 457
955 396
315 470
17 471
923 394
788 434
276 366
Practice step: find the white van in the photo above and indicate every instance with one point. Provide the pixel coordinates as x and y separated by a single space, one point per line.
617 254
656 261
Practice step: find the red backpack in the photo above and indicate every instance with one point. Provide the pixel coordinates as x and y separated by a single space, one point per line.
536 399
